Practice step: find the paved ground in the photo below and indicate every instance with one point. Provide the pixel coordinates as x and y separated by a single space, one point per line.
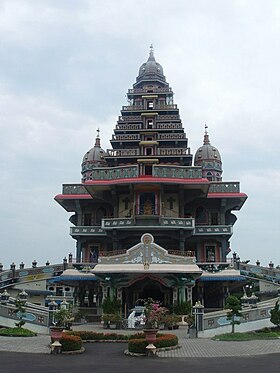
190 347
110 358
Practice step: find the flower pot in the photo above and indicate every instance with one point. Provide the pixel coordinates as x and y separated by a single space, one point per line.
56 332
150 335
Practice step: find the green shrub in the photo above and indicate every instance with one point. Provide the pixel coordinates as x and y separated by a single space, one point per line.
93 336
183 308
17 332
70 342
111 306
138 345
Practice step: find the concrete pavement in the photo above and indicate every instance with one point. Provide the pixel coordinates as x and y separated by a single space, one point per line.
189 347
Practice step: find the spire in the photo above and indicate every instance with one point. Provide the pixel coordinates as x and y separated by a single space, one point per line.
97 139
206 140
151 56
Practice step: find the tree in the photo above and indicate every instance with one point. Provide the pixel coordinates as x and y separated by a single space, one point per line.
275 314
234 305
20 312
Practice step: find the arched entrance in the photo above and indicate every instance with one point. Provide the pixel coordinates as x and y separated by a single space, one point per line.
147 287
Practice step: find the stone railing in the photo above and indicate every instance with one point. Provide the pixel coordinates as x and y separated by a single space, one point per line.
159 222
87 231
130 118
186 223
179 172
260 273
128 126
219 319
165 107
169 125
171 136
172 151
112 173
117 223
126 137
168 117
213 230
133 108
224 187
73 189
123 152
150 90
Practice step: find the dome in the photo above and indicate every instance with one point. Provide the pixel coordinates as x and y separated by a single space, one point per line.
151 70
208 157
94 158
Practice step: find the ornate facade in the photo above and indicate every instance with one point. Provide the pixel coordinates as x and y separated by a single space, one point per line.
146 188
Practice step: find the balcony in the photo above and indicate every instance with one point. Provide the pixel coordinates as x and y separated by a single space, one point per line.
151 221
124 153
150 90
130 118
112 173
179 172
172 136
73 189
212 230
128 126
87 231
169 126
126 137
172 151
224 187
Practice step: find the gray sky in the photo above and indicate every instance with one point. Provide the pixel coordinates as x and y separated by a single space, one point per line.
65 67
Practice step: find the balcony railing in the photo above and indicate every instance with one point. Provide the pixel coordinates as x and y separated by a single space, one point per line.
124 152
129 126
168 117
156 222
113 173
150 90
130 118
133 108
128 137
213 230
87 231
74 189
179 172
224 187
172 151
169 126
171 136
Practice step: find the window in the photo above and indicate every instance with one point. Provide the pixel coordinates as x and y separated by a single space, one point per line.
93 253
210 253
148 169
209 176
147 203
150 123
150 105
149 151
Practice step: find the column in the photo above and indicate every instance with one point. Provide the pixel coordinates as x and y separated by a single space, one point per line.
78 250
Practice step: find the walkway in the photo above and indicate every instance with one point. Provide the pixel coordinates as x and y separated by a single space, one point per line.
189 347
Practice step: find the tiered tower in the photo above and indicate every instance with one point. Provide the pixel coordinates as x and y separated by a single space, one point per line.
146 184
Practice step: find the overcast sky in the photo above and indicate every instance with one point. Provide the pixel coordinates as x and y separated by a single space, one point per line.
65 68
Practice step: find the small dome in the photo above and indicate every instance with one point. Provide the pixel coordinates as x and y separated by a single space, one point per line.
151 70
94 158
208 157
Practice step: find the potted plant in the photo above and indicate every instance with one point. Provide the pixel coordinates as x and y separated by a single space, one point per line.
111 316
183 309
111 320
154 317
63 319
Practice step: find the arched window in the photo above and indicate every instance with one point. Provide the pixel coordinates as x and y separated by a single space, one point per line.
201 216
209 176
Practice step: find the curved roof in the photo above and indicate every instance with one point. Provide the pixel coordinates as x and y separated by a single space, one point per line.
150 70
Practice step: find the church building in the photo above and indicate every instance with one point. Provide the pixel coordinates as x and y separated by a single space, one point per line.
149 219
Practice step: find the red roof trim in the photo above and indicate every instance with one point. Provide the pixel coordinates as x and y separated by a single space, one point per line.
73 196
148 179
228 195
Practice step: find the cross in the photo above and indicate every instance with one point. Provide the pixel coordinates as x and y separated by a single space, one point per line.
98 130
171 200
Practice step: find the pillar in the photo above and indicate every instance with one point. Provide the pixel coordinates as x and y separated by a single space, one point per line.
78 251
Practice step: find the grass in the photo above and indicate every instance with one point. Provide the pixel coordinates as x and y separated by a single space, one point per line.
249 336
17 332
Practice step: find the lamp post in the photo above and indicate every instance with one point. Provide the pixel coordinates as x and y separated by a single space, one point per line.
64 305
52 309
5 297
23 296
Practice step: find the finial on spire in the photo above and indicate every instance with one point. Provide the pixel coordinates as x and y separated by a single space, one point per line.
97 139
151 57
206 140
